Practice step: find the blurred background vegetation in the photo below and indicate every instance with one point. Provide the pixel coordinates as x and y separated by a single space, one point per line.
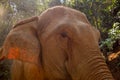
103 15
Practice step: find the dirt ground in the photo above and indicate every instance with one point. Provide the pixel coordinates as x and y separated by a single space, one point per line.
113 63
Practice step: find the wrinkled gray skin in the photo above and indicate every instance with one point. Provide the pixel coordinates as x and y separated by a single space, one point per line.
60 44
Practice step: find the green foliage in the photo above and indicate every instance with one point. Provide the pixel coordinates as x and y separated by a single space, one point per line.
114 34
111 22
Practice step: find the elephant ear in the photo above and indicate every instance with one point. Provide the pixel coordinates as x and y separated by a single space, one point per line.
35 18
1 56
22 42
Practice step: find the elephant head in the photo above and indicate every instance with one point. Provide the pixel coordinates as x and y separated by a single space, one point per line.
70 49
60 44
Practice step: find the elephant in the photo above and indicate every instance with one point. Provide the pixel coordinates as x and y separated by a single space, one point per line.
60 44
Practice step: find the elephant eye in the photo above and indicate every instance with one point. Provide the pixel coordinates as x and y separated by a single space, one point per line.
64 34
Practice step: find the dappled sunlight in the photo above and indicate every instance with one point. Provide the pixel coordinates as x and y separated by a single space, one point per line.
1 11
114 56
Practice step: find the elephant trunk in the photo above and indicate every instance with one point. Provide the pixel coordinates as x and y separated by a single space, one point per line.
87 65
97 69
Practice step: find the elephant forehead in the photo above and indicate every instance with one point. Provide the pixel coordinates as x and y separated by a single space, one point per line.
70 21
71 29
